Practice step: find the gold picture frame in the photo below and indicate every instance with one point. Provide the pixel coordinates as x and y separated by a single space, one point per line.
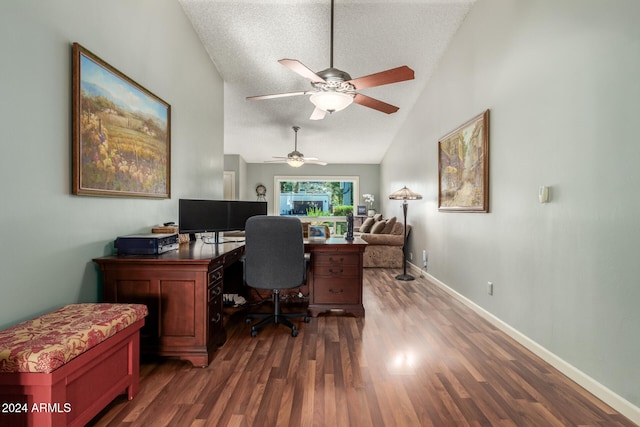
463 167
121 133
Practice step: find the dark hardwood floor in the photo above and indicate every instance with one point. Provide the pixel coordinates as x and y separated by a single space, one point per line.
418 358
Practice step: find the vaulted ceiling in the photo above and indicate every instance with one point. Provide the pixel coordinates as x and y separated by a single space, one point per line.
246 38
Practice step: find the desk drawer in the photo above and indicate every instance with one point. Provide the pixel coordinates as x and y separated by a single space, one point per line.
336 291
215 312
215 291
215 276
336 270
232 256
336 259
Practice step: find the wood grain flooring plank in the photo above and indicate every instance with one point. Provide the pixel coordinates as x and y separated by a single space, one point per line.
184 415
269 403
372 398
404 412
285 406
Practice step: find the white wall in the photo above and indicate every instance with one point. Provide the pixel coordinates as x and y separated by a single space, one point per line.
49 236
235 163
562 81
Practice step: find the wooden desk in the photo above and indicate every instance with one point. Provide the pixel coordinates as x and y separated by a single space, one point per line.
183 290
335 277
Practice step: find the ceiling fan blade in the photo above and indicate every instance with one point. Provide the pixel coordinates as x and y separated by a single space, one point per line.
275 161
318 114
393 75
314 162
301 69
277 95
376 104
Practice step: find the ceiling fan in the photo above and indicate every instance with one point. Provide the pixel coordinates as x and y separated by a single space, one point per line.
295 158
334 89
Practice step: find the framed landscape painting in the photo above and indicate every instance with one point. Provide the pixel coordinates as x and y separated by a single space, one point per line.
463 167
121 133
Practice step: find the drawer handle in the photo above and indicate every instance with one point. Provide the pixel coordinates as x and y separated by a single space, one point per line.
335 272
217 318
339 260
336 292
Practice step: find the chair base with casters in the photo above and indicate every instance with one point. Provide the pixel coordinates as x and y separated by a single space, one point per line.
277 317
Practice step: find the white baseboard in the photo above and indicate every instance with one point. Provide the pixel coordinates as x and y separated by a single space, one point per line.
612 399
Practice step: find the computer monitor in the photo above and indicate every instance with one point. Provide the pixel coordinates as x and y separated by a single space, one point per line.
215 216
202 216
241 211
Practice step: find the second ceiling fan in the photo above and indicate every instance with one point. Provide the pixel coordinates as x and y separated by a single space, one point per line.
334 89
295 158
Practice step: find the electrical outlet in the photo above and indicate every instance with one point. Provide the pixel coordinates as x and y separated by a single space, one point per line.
490 288
424 259
410 256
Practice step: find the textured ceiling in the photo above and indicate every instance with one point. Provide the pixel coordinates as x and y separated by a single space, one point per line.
245 39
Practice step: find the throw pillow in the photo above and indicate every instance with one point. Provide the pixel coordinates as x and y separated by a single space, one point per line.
389 225
378 227
366 225
377 217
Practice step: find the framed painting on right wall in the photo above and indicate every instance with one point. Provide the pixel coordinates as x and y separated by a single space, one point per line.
463 167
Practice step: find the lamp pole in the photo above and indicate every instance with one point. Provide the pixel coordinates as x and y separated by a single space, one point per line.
404 276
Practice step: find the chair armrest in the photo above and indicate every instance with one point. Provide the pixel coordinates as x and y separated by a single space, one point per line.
383 239
307 260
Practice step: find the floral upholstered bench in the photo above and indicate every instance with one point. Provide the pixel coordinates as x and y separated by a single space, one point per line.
64 367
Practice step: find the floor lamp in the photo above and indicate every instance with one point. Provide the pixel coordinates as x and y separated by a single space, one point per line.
405 194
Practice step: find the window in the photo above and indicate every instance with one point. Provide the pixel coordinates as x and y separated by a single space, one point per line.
325 199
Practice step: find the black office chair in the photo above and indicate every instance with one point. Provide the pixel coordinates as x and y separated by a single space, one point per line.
274 259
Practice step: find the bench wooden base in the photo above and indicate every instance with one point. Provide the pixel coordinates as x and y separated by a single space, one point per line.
77 391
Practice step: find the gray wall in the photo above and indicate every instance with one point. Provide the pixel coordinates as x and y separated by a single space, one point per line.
259 173
49 236
561 81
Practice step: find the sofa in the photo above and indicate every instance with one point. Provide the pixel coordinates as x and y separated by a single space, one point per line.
385 238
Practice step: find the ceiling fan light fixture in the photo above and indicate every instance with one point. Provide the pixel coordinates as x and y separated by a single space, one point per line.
295 162
331 101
